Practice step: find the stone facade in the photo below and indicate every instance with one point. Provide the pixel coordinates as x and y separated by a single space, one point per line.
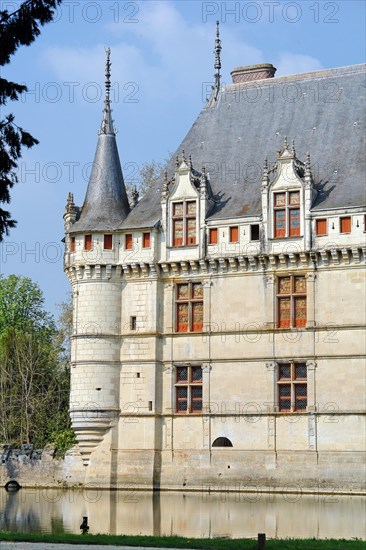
221 351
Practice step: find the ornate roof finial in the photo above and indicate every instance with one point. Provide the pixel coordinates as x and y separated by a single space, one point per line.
107 123
190 163
108 76
265 179
203 181
183 156
164 192
285 143
217 65
293 148
177 161
307 161
308 175
70 203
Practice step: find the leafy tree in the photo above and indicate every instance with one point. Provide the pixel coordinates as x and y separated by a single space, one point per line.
34 375
16 29
22 305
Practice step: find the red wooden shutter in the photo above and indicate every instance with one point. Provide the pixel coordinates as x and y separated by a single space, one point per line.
146 240
178 233
346 225
321 227
128 241
197 316
191 231
300 312
182 317
88 242
107 242
294 222
280 223
72 244
234 234
284 312
213 238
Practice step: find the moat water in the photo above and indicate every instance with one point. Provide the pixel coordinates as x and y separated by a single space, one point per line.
232 515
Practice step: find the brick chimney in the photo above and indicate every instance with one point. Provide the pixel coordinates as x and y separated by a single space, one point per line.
253 72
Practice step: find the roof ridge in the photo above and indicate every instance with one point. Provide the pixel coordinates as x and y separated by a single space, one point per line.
322 73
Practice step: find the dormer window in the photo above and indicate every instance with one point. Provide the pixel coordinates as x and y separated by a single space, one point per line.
286 214
184 223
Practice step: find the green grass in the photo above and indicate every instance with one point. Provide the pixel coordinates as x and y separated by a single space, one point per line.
180 542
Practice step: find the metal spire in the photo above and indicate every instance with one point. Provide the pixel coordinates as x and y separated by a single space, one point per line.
217 65
107 123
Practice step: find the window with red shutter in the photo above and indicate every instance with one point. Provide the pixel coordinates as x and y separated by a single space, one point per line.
72 244
291 302
108 243
128 241
345 224
234 234
189 307
213 236
286 214
146 240
184 223
292 387
87 242
321 227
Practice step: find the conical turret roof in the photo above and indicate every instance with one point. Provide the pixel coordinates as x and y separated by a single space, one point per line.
106 204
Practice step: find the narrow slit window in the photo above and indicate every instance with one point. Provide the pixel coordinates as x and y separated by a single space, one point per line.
72 244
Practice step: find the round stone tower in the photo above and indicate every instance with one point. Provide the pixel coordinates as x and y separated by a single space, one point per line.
91 264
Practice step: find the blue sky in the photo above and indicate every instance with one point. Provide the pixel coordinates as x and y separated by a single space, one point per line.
162 65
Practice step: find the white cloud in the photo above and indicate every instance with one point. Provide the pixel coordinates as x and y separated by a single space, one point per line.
290 63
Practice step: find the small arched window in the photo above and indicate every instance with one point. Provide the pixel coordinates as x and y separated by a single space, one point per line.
222 442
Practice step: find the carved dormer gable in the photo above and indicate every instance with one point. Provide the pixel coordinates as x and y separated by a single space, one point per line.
287 196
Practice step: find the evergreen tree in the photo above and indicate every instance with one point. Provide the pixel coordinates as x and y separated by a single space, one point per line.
16 29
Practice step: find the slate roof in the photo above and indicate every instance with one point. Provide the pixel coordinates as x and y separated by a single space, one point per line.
323 111
106 203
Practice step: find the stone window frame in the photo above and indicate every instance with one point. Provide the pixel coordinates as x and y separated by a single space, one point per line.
190 301
287 207
185 217
190 384
272 371
292 295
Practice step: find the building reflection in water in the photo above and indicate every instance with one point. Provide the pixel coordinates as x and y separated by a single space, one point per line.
235 515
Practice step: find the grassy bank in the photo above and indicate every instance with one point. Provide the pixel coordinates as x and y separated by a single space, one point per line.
180 542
